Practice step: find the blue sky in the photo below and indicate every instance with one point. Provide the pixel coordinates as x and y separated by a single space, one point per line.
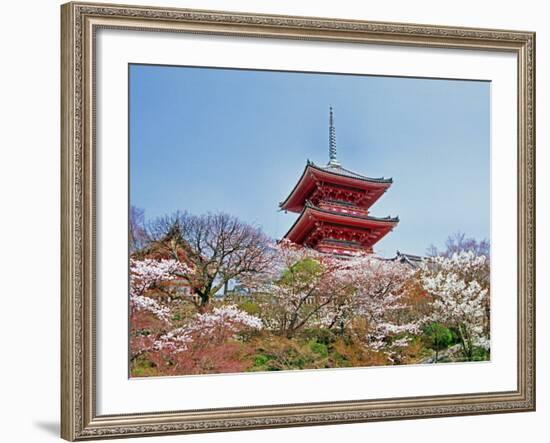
208 140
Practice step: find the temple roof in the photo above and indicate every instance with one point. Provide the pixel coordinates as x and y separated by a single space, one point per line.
337 169
334 174
364 217
409 259
311 213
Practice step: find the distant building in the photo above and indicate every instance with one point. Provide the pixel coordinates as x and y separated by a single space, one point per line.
413 261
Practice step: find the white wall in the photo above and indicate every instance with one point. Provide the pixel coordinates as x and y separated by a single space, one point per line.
29 191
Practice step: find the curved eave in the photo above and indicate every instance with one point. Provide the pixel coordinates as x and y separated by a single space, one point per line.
284 204
354 176
310 214
305 185
370 218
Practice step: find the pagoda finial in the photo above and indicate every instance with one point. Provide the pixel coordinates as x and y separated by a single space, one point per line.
332 141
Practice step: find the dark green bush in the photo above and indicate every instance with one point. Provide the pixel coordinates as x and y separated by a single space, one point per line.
480 354
250 307
319 348
320 335
260 360
438 336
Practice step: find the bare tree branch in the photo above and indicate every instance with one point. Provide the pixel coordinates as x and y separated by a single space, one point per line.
220 248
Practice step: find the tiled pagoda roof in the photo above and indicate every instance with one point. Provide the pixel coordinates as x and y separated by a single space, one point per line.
339 174
380 221
339 170
363 217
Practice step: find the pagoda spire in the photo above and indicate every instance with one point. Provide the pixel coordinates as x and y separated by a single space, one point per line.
332 141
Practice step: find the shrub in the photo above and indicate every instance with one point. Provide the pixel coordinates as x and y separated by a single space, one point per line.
250 307
280 353
349 354
319 348
439 337
480 354
320 335
142 367
260 360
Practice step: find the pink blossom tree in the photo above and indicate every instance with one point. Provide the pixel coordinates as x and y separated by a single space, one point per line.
310 289
147 314
207 343
299 288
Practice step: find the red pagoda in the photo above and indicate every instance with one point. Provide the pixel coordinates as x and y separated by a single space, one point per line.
334 204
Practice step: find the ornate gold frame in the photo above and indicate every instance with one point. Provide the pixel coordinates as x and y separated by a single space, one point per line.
80 21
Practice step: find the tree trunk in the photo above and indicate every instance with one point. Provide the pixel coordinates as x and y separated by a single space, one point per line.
465 348
204 299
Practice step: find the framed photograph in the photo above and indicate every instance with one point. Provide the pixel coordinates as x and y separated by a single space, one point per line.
277 221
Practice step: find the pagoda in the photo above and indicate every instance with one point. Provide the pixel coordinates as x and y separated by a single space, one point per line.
334 203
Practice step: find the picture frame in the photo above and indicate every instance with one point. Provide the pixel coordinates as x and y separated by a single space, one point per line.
81 22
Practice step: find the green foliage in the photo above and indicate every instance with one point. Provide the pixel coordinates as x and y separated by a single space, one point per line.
480 354
280 353
303 352
319 348
320 335
455 334
260 360
250 307
438 336
142 367
304 272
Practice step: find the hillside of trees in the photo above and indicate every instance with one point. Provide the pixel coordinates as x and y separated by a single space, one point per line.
212 294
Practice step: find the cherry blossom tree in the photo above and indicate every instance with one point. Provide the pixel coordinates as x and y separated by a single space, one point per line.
219 249
299 288
460 287
310 289
208 343
295 302
144 275
148 315
379 301
217 326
